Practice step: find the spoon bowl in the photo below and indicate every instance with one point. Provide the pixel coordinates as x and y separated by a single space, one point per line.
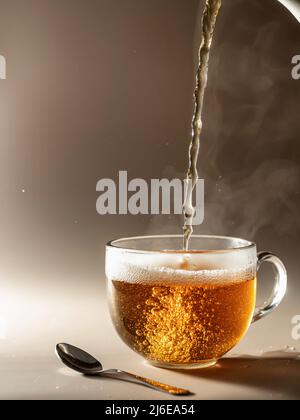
78 359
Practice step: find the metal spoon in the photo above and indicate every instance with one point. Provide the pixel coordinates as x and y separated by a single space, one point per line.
83 362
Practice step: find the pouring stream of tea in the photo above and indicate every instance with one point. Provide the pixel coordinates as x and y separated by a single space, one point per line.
210 15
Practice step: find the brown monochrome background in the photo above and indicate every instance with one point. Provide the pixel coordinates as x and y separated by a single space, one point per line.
98 86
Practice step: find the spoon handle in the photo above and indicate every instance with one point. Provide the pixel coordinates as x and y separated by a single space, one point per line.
129 377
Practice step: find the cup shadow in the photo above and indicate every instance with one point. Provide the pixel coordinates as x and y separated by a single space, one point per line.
275 372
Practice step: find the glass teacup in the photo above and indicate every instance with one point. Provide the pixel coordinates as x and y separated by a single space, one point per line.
185 310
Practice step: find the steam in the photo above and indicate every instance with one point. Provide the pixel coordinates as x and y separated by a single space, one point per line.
252 180
242 206
252 177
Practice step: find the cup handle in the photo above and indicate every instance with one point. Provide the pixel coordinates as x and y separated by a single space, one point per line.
280 287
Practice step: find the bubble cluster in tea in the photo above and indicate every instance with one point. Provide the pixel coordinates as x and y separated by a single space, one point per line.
185 321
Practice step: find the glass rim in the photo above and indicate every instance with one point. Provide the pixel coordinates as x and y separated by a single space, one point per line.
247 245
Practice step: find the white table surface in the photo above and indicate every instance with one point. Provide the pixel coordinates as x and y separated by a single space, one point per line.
32 322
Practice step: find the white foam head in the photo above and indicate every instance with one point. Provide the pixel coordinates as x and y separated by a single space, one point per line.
135 267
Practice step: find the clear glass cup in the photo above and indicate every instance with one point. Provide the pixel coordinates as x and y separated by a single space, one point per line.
185 310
